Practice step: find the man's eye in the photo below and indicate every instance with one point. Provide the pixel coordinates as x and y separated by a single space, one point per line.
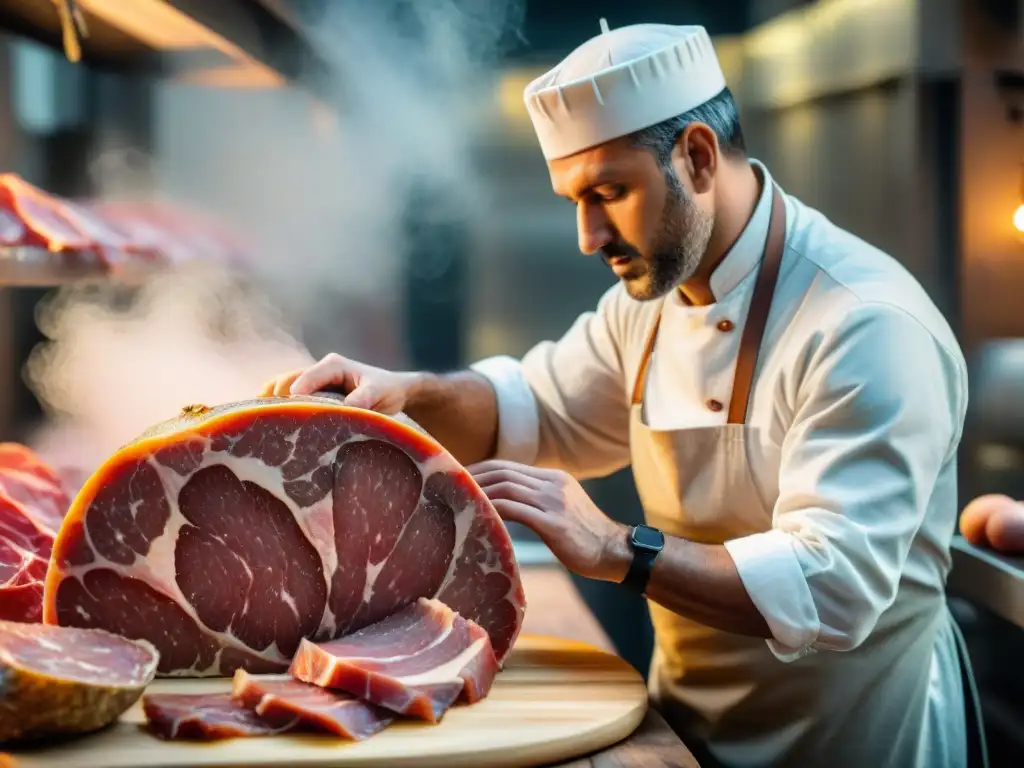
609 194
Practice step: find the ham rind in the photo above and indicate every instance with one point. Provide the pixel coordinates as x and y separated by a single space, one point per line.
205 717
282 700
227 535
417 662
57 681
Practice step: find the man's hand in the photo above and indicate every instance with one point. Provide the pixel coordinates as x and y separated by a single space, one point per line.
555 506
363 385
459 409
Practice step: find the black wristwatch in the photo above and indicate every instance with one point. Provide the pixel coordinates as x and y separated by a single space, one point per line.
646 543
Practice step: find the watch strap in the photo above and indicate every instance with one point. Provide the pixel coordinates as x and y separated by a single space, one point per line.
639 572
644 555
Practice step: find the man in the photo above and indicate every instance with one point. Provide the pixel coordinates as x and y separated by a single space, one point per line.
788 397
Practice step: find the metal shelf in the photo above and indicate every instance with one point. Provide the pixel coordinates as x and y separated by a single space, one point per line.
29 267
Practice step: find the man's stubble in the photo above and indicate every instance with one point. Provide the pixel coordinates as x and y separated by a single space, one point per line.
683 235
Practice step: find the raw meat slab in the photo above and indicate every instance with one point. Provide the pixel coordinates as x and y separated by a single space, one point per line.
226 535
25 547
33 503
26 479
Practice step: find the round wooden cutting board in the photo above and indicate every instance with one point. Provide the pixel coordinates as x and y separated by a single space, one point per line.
554 701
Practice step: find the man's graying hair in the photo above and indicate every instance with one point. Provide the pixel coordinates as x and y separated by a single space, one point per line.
719 114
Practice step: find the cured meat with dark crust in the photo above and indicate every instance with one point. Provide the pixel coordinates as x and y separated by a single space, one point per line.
205 717
57 681
282 699
417 662
227 535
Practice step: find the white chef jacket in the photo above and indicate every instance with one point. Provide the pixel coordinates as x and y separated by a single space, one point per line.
852 517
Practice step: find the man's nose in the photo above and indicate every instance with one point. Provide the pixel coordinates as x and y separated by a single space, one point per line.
593 228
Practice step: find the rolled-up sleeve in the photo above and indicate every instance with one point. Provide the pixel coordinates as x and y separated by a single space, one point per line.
564 405
877 414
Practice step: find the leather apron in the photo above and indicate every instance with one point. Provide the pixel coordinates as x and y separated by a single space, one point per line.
727 695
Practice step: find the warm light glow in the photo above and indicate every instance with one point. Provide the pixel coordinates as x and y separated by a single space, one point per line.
162 26
1018 218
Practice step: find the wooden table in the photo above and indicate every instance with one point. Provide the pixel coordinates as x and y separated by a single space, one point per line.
554 607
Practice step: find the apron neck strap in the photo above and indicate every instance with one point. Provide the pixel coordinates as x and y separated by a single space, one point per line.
753 328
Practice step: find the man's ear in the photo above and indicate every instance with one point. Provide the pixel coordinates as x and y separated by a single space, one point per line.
696 156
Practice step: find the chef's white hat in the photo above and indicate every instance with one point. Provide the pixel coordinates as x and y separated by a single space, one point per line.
622 81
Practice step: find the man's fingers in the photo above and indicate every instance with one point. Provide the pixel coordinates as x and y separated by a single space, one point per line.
364 396
284 383
494 476
517 512
278 385
497 465
328 372
512 491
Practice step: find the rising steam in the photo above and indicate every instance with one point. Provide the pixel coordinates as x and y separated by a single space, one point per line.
320 184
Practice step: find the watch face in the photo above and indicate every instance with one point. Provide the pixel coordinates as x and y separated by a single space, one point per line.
647 538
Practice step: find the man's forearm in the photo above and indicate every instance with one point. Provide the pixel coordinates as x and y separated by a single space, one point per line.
460 410
698 581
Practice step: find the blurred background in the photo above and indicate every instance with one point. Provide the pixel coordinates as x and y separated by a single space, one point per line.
378 159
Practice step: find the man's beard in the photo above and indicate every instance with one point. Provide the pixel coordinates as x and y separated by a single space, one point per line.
682 239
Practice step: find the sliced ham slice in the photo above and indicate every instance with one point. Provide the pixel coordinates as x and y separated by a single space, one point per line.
206 717
63 681
416 662
281 700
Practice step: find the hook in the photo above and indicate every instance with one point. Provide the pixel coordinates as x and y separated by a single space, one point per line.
73 27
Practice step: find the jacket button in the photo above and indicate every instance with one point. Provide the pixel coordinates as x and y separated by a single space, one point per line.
714 405
725 325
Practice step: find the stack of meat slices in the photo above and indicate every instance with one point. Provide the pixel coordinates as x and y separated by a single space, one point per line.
414 664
